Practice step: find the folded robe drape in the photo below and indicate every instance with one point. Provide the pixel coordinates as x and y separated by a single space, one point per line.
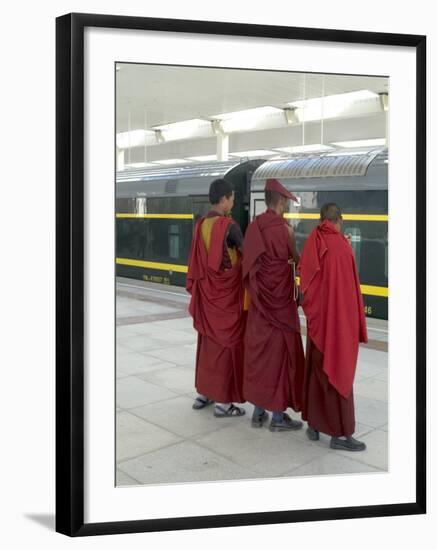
274 359
333 304
216 306
323 407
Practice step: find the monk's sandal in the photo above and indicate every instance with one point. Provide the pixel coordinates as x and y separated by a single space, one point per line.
232 410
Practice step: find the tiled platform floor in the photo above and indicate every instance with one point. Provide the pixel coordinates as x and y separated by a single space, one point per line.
161 439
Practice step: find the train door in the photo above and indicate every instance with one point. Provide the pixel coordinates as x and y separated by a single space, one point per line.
240 211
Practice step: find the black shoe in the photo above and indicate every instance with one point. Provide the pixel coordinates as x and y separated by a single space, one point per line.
285 425
348 444
258 420
312 434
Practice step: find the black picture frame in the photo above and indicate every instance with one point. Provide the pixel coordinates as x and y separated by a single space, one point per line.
70 273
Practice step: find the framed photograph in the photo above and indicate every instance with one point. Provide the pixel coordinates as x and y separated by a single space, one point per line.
166 130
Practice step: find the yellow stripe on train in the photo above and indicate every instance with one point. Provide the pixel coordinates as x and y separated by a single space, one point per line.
367 289
346 217
287 215
370 290
152 265
375 290
157 216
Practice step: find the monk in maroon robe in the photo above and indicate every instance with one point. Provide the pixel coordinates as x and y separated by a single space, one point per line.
215 284
334 309
274 361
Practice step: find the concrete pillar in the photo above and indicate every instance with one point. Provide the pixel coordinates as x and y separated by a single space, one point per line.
120 160
222 146
387 129
385 107
387 126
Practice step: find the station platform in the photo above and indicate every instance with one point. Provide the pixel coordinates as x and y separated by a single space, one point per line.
161 439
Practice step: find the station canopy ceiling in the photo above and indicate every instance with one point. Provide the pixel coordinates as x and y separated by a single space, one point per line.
170 115
153 95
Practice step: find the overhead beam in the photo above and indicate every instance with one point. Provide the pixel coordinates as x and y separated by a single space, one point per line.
373 126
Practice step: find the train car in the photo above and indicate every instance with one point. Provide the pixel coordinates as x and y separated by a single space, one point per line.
357 182
156 211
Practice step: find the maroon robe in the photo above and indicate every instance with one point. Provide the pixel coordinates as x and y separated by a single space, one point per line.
336 324
323 407
274 360
216 306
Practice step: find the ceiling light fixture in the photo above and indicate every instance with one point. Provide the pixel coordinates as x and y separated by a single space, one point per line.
203 158
332 106
361 143
185 129
291 115
346 153
253 153
159 136
306 148
166 162
248 119
139 165
135 138
384 101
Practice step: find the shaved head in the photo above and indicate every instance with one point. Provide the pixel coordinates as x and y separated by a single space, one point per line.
331 211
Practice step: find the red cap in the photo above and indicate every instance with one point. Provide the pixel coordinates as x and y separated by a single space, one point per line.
274 185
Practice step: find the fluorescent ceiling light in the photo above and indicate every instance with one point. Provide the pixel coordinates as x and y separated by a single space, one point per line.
138 164
267 110
306 148
135 138
248 119
186 129
171 161
361 143
282 157
343 98
203 158
254 153
346 153
333 106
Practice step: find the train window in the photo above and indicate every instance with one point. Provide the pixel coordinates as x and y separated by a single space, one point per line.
125 206
200 209
168 205
355 237
173 237
259 206
386 258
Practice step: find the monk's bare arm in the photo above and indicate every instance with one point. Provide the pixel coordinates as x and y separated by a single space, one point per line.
294 252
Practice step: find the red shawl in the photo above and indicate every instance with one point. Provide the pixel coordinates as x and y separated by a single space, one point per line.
333 303
266 272
216 303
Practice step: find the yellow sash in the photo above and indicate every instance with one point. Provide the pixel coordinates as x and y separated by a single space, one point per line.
206 231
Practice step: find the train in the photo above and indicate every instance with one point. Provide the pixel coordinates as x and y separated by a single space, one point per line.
156 210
